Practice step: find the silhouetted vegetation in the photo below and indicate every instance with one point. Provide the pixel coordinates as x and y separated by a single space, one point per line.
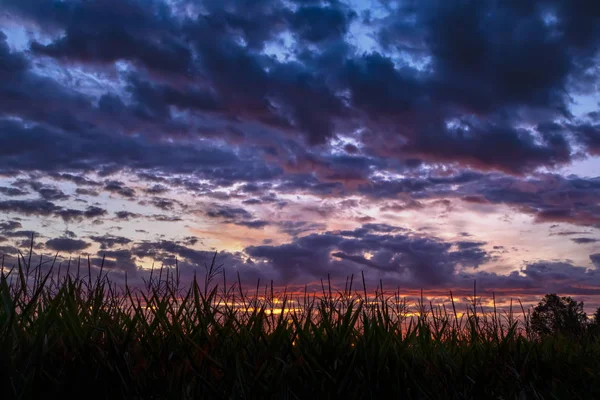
71 333
595 324
558 315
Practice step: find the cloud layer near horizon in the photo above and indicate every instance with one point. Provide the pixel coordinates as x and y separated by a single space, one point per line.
427 143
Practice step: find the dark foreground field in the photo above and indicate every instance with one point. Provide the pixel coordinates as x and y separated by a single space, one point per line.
71 334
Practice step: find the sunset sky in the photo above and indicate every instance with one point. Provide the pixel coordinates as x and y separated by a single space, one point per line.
426 143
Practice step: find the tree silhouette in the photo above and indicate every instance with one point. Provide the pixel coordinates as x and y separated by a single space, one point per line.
595 325
556 314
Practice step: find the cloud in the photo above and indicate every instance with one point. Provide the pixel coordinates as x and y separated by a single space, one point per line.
255 224
29 207
295 228
156 189
281 114
92 212
589 136
110 241
584 240
67 245
190 240
316 24
8 251
20 233
488 145
44 208
7 226
463 245
411 259
77 179
165 218
164 204
547 197
87 192
595 258
119 188
466 105
47 192
118 30
12 192
126 215
234 215
540 277
121 260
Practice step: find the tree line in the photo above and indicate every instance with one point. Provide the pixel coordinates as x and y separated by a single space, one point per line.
563 315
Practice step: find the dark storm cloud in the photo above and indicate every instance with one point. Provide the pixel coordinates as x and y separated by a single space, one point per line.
67 245
8 250
119 188
226 212
568 233
585 240
6 226
315 24
538 277
165 218
30 96
166 250
402 259
92 212
287 97
126 215
234 215
110 241
77 179
51 193
589 136
469 245
190 262
255 224
506 64
414 260
509 52
190 240
490 59
108 31
12 192
17 234
584 132
163 203
27 148
87 192
78 146
489 145
120 260
29 207
595 258
547 197
155 100
558 271
47 192
156 189
246 101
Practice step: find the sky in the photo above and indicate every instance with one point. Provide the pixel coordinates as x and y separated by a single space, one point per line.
425 143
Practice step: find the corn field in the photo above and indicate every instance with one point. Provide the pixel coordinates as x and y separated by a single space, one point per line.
71 333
